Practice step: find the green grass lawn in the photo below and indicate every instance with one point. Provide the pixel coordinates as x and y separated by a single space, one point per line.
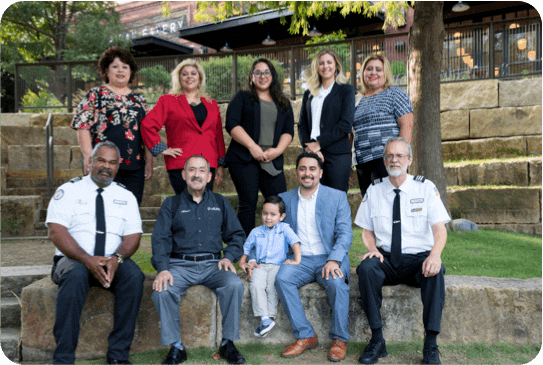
398 353
485 253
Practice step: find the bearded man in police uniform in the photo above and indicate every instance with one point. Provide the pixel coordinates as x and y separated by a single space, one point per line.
96 226
404 230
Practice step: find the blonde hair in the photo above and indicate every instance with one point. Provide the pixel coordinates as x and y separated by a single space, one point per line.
176 85
313 79
386 67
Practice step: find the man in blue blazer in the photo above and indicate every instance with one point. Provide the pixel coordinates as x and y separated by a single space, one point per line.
321 217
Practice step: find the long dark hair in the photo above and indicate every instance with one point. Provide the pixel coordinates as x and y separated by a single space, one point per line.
276 90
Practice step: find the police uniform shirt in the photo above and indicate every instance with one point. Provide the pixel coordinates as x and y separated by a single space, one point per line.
74 207
420 208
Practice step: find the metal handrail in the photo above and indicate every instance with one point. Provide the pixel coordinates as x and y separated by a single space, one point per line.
49 152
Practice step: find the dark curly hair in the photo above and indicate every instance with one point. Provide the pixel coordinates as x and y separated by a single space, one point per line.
275 87
109 56
306 154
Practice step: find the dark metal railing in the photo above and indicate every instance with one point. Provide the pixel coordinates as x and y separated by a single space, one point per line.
494 50
50 155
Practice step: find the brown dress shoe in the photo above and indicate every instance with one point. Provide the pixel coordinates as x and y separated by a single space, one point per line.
299 346
337 351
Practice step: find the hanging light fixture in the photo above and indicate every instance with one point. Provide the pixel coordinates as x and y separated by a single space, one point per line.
268 41
226 48
522 43
460 7
531 55
314 32
466 58
457 37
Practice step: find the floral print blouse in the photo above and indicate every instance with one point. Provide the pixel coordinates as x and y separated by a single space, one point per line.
115 118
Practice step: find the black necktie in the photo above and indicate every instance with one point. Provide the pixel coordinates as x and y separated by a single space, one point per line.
100 246
396 250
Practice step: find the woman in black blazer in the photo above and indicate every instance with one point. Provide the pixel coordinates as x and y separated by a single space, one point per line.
261 123
326 118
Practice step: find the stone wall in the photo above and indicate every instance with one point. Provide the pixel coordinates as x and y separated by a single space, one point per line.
490 108
477 309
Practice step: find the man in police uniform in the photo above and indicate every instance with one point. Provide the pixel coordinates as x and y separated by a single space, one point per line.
187 242
96 226
404 230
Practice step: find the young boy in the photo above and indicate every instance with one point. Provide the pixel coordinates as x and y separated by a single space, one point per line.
270 241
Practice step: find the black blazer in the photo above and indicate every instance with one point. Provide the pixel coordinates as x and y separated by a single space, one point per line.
242 111
336 120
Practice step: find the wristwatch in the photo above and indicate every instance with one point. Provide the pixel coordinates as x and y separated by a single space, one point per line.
119 256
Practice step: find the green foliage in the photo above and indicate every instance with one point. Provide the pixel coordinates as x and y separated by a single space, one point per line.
43 98
398 68
211 11
157 82
218 72
341 49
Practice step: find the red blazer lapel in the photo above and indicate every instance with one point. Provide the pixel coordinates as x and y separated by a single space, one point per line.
188 111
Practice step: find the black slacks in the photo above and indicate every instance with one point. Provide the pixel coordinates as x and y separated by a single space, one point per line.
369 171
373 275
134 180
336 171
74 284
248 179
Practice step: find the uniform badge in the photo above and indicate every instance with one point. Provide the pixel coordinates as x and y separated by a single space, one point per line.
419 200
59 194
437 191
365 197
121 202
416 209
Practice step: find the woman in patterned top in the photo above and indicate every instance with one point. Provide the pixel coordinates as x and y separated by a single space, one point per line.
113 112
380 113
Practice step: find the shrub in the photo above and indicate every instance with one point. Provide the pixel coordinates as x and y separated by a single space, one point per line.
43 98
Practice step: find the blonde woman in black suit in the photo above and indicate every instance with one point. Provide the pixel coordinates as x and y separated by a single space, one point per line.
326 118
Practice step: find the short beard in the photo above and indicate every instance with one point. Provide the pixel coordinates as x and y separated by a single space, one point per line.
396 173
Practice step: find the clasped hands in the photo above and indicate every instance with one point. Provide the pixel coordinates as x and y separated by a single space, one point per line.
264 156
314 147
102 268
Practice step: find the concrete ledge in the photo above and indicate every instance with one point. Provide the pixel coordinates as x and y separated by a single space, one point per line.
477 309
491 148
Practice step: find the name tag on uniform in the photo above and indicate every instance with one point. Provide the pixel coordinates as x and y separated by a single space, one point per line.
416 209
419 200
121 202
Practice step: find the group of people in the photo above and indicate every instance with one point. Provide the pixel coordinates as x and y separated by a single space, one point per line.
305 234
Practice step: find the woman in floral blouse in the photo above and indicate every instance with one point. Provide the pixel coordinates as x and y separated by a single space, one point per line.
113 112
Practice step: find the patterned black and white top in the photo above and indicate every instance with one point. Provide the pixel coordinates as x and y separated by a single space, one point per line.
375 121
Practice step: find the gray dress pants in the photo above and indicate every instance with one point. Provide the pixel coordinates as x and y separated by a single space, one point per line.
225 284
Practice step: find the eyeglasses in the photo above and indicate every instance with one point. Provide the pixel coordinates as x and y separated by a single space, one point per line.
265 73
398 157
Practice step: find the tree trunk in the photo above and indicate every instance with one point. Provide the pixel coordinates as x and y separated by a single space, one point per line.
425 50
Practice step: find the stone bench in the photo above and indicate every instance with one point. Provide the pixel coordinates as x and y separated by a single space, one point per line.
477 309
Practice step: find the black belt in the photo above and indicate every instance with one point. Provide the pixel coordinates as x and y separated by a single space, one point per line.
211 256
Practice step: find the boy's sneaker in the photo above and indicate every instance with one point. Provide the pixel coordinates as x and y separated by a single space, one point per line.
264 327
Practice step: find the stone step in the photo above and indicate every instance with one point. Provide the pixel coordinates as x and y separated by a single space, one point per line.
11 313
15 278
11 339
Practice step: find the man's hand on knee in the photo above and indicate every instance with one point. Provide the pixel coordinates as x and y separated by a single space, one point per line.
161 281
332 268
95 265
431 266
226 264
374 253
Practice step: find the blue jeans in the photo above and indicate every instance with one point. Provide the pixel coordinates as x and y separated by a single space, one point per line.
290 278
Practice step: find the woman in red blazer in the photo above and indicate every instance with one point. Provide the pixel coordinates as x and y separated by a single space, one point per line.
193 125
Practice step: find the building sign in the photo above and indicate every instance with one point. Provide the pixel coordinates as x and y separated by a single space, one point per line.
164 27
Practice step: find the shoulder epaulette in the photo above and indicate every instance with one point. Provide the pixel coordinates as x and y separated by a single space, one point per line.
76 179
121 185
377 181
419 178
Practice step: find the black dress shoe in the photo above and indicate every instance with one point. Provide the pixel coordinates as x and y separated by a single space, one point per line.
373 351
115 361
231 353
431 355
175 356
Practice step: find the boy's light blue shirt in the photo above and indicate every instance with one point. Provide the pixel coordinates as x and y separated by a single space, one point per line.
271 244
